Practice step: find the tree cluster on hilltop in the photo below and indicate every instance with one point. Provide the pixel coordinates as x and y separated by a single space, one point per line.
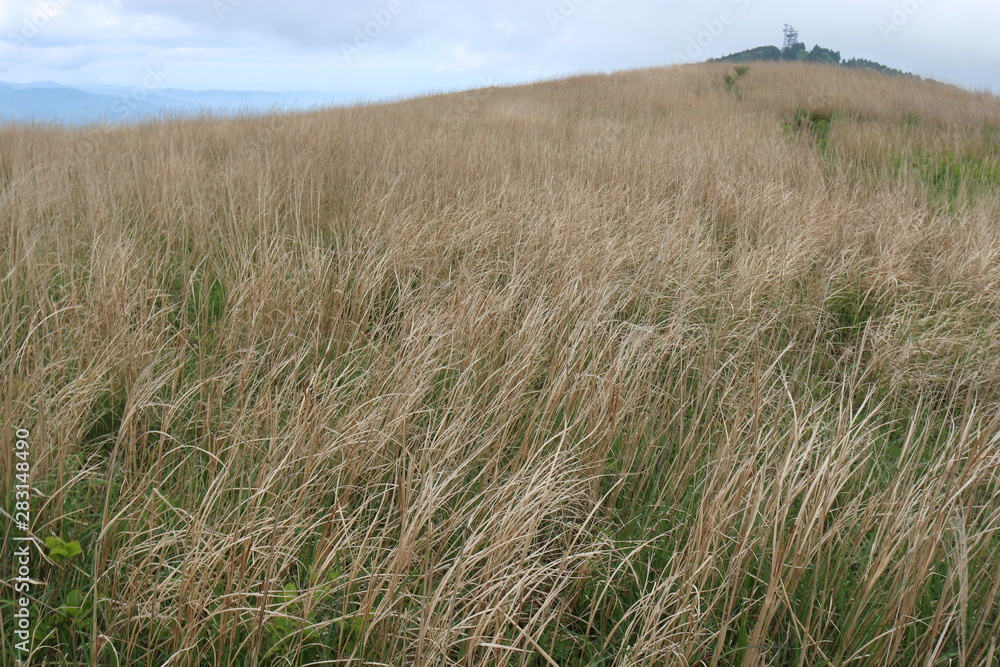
818 54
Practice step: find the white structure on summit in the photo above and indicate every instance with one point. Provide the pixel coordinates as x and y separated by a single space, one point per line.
791 36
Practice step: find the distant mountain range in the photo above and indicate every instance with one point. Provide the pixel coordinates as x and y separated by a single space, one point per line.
53 102
818 54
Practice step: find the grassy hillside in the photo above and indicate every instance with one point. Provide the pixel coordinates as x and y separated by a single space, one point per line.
650 368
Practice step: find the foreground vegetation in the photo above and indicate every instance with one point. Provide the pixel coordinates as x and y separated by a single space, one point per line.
665 367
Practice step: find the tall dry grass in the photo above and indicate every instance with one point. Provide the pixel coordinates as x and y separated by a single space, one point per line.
616 370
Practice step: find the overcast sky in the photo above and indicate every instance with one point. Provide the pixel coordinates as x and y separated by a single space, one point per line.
405 47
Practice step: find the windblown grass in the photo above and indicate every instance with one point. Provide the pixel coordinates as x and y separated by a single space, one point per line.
616 370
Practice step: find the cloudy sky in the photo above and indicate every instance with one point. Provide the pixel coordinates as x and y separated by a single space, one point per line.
405 47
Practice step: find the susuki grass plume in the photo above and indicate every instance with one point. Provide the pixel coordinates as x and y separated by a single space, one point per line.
615 370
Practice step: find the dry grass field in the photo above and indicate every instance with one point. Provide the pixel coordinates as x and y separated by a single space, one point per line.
631 369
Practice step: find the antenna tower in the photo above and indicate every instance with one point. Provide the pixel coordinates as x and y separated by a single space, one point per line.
791 36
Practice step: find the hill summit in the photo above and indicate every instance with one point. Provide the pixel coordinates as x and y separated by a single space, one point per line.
797 51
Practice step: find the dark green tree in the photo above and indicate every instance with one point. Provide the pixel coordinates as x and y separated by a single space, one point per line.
822 55
797 52
761 53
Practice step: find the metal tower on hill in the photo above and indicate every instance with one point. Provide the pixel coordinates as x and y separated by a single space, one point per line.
791 36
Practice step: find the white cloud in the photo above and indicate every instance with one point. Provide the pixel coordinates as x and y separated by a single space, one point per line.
442 44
